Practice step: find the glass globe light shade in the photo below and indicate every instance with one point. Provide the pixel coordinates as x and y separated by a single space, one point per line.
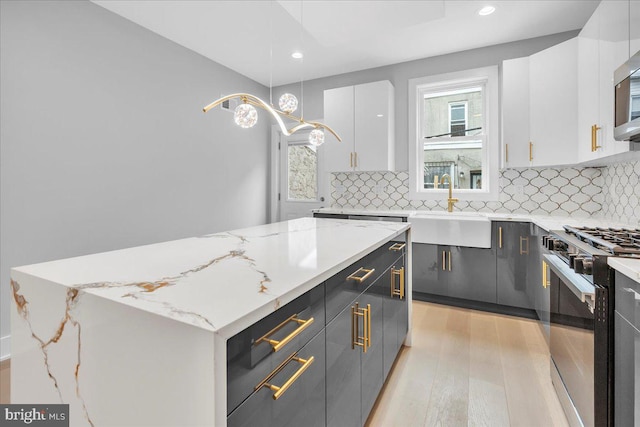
245 116
288 103
316 137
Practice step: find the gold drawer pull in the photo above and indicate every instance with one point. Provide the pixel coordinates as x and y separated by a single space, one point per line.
500 237
360 279
279 390
363 341
397 247
400 291
545 275
444 260
277 345
524 251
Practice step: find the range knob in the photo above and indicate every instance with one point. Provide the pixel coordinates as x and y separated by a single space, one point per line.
550 243
587 265
572 260
578 265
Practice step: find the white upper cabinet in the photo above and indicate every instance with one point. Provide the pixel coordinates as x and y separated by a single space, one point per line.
515 113
634 30
363 116
553 99
604 46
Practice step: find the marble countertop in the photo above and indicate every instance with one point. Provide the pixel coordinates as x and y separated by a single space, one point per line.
547 222
628 267
221 282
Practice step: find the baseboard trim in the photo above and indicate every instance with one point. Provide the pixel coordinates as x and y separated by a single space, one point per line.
5 348
476 305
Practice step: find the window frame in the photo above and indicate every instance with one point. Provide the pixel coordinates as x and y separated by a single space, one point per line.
486 77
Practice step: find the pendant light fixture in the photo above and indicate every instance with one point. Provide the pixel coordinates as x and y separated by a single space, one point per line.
246 115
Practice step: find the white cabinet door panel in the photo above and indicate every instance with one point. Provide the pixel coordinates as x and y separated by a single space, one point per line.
339 115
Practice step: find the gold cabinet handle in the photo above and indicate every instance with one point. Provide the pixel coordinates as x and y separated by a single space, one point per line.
351 159
397 247
500 237
355 159
399 292
594 137
277 345
544 275
449 260
363 341
530 151
444 260
524 251
506 153
279 390
360 279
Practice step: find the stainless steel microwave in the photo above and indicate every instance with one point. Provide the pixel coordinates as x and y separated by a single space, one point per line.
627 100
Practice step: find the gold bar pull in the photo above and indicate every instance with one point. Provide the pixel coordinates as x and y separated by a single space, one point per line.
277 345
506 153
544 274
594 137
363 341
360 279
449 260
500 237
351 159
280 390
530 151
444 260
397 247
399 292
524 251
355 159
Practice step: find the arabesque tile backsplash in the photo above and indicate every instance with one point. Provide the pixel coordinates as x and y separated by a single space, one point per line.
610 192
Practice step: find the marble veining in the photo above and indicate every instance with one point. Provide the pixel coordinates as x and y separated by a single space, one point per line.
213 280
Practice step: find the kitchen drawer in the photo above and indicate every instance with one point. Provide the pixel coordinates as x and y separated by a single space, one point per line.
250 358
628 298
343 288
302 404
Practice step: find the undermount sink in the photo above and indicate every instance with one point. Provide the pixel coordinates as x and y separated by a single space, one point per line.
469 229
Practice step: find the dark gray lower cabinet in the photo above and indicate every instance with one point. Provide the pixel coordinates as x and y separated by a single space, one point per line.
303 404
513 247
627 352
455 271
395 311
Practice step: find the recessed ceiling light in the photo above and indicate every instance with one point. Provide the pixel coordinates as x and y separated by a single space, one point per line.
296 55
379 115
487 10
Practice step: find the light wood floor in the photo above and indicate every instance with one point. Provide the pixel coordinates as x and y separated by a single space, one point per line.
465 368
470 368
5 367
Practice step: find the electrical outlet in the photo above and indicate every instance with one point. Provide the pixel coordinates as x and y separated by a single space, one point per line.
519 189
340 189
380 189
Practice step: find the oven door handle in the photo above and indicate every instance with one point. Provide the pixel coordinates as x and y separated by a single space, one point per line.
580 286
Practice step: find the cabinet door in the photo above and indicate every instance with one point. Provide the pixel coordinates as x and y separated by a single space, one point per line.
343 373
374 133
371 367
634 30
472 273
512 263
553 95
534 261
429 275
307 392
627 373
394 308
338 113
589 84
515 112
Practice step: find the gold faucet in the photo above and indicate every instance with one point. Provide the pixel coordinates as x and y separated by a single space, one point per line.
451 200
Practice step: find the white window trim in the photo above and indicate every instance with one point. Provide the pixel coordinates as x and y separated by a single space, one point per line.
491 149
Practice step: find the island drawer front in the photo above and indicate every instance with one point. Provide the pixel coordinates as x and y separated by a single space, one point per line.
250 358
343 288
302 404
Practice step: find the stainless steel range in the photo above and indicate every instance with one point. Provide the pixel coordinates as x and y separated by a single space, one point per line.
581 317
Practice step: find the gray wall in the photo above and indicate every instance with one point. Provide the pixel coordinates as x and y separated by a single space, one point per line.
399 74
104 144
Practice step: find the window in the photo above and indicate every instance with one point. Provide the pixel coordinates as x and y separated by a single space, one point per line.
455 131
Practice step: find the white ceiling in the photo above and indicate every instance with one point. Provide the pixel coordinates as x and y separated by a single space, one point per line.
256 38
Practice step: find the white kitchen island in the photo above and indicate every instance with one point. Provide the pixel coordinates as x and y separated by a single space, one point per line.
138 336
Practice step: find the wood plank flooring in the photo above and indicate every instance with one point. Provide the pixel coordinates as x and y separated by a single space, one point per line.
465 368
470 368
